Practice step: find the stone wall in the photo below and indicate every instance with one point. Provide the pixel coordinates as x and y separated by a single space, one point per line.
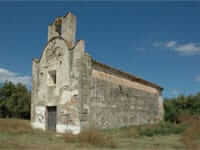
116 79
67 28
113 101
85 90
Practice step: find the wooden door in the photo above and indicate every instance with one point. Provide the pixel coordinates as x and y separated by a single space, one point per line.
52 117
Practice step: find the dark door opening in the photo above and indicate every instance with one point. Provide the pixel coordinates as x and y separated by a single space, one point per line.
51 117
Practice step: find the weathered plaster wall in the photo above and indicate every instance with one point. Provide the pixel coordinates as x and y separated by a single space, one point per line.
39 117
116 104
65 93
68 28
112 101
35 76
99 74
85 81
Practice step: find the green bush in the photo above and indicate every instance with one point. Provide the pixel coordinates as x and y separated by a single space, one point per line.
14 101
175 107
164 128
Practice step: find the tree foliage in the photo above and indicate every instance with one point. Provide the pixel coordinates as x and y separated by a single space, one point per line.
175 107
14 101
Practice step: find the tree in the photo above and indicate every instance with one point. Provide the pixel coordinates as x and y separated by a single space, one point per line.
14 101
175 107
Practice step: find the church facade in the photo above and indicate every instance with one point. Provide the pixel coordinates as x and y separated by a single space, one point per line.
71 91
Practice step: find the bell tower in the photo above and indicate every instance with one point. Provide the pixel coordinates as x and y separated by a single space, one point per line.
65 27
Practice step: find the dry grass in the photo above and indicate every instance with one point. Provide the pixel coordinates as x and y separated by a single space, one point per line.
191 134
92 137
18 135
15 126
125 132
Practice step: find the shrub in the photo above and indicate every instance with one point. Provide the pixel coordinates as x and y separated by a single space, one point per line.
163 128
174 107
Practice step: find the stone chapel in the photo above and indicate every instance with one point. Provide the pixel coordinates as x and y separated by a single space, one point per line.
71 91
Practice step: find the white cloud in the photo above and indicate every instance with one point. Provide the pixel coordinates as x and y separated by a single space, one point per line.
183 49
190 48
157 44
171 44
6 75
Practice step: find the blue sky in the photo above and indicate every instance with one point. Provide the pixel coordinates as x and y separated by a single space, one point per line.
158 41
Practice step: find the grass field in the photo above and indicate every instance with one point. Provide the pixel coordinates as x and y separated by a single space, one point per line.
18 135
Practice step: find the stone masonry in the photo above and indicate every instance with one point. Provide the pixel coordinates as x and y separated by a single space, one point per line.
71 91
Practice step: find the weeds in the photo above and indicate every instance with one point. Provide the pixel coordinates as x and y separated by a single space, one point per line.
15 126
163 128
191 135
91 137
18 135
